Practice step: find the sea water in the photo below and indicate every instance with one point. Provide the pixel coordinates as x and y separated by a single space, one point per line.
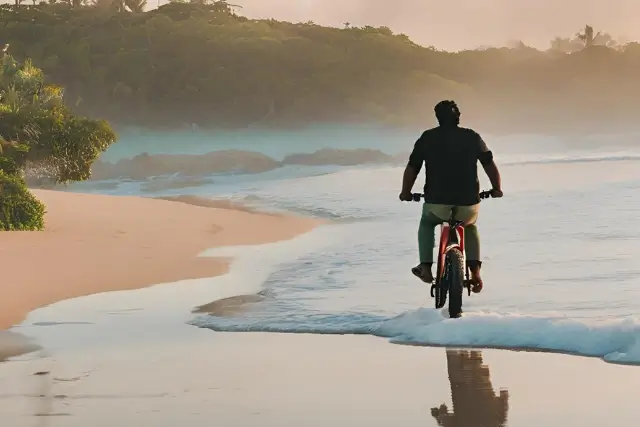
560 250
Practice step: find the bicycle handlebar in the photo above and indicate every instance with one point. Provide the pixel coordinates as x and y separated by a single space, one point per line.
483 195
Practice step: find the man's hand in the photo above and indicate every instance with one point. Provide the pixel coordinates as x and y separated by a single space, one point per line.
406 196
496 193
408 179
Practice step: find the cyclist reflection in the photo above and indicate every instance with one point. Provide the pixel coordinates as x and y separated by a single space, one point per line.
474 401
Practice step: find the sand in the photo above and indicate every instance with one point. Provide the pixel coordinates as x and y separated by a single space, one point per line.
255 379
96 243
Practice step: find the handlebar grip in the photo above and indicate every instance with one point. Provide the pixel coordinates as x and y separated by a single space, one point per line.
485 194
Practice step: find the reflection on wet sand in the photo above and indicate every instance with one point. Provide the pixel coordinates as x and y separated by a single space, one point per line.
474 401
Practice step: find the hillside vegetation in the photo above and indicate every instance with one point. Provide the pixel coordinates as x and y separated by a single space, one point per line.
203 63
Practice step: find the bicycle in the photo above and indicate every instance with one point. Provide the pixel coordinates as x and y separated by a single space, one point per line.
452 274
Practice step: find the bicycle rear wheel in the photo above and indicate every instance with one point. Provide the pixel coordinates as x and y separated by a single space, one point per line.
454 279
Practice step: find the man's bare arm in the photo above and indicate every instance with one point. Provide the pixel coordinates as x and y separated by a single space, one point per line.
491 169
414 165
409 178
489 165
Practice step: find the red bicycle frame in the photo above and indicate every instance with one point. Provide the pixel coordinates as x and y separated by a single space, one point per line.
446 244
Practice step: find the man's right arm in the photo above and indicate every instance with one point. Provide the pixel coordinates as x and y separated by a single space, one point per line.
489 165
414 165
409 178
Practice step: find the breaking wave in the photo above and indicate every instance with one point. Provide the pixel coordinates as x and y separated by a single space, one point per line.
615 341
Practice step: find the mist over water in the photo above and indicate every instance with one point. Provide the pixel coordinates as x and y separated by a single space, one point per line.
559 249
276 144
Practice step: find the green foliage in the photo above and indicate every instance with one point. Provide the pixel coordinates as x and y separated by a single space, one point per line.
33 114
200 62
19 209
71 144
13 157
37 128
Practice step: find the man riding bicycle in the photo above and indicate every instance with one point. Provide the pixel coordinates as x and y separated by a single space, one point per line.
450 154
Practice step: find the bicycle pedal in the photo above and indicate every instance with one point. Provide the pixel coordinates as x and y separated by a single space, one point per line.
467 284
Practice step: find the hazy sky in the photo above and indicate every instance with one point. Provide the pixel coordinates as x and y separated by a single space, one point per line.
457 24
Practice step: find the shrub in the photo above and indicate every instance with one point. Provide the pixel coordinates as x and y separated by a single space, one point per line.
19 208
37 127
13 157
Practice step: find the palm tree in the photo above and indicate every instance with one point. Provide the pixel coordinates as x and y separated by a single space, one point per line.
135 6
587 37
23 87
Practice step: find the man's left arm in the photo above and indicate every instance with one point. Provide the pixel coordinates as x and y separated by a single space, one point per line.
489 165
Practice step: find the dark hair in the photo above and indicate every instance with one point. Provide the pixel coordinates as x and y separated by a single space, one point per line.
447 113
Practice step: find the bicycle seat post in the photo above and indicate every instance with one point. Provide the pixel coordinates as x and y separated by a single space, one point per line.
452 218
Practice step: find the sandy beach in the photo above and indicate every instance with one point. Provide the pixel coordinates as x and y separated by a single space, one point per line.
96 243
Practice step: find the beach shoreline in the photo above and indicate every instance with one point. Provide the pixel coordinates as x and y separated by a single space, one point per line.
98 243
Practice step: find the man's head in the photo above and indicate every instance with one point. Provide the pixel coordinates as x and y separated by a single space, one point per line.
447 113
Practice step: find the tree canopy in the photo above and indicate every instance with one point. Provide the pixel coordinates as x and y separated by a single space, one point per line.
40 135
36 126
203 63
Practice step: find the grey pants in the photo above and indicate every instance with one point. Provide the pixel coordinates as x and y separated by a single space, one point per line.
434 215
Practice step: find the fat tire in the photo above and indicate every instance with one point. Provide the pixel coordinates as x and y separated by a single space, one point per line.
454 279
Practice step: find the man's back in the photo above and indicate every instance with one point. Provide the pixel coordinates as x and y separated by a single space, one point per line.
450 154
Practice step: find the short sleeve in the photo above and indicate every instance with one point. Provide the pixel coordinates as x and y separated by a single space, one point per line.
416 159
482 146
484 154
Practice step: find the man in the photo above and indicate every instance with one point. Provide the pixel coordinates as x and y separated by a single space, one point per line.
450 154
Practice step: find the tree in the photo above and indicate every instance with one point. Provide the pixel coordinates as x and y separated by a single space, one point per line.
204 63
589 39
37 131
135 6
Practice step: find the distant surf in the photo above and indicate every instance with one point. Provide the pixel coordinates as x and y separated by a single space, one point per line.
178 167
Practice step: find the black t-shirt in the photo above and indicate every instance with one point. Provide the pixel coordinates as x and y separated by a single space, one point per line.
450 155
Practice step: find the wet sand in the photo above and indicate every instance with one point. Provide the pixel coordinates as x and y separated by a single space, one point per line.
96 243
258 379
131 358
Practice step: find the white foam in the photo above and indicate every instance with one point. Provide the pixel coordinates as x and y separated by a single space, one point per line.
614 340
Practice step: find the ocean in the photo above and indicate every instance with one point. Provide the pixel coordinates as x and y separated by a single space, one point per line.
560 249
